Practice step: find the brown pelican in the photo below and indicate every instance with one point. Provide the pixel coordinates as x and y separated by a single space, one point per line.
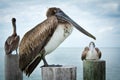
12 41
91 52
44 38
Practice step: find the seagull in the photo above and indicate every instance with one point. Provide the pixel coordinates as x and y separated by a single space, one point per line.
45 38
91 52
12 41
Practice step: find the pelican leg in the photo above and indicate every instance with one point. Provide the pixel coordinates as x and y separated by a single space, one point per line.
45 62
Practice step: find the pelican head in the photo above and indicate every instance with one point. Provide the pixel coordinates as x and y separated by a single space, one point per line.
13 20
92 45
64 18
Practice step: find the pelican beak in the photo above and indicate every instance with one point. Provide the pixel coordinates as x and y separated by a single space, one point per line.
62 16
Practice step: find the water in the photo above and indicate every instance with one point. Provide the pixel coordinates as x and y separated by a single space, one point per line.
72 56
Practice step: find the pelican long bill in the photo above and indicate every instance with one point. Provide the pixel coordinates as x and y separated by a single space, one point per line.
61 15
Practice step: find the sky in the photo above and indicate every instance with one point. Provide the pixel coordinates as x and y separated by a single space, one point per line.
99 17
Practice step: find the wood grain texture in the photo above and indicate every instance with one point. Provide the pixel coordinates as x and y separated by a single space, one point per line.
59 73
94 70
12 71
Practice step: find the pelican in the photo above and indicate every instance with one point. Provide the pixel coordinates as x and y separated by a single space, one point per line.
91 52
12 41
44 38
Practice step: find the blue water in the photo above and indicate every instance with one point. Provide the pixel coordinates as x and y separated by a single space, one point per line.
72 56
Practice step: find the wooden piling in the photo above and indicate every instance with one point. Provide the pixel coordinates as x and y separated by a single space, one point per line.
12 71
59 73
94 70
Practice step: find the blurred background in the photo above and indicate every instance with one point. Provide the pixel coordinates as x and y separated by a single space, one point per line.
99 17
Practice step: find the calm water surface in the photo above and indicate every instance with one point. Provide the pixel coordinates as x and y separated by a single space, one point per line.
71 56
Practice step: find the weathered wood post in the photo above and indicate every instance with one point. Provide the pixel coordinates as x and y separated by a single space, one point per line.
94 70
59 73
12 71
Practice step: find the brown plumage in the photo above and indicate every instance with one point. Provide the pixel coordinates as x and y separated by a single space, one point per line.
12 41
44 38
32 44
91 53
84 53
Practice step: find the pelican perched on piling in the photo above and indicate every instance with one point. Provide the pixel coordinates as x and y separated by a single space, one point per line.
91 52
12 41
44 38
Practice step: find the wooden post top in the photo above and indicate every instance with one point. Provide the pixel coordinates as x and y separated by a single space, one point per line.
94 61
94 70
59 73
60 66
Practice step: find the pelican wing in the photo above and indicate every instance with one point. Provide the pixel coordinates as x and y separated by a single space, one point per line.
99 52
31 49
7 45
15 43
84 53
11 44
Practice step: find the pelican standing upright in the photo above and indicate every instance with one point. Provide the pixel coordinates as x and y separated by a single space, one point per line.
44 38
12 41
